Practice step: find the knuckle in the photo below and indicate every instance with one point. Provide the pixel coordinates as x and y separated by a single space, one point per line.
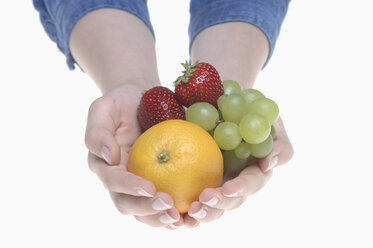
216 215
238 202
106 186
291 152
122 210
89 135
145 205
288 153
107 183
119 205
94 165
97 103
90 163
102 102
145 220
127 182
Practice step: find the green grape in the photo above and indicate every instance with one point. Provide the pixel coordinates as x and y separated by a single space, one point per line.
261 150
220 100
251 95
227 135
203 114
273 132
232 163
265 107
242 151
254 128
233 107
231 86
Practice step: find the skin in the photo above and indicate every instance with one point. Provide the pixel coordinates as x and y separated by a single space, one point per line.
123 66
243 50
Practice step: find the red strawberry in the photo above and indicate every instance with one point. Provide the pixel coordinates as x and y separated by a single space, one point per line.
159 104
200 83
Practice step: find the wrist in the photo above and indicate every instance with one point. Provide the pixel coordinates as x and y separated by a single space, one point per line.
136 84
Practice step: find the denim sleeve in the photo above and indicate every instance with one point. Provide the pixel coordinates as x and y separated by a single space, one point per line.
267 15
59 17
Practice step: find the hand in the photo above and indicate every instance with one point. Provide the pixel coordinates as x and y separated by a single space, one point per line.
237 187
112 128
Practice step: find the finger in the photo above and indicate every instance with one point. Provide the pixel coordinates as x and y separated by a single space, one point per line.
162 219
213 198
100 131
141 206
282 150
119 180
204 213
190 221
249 181
177 224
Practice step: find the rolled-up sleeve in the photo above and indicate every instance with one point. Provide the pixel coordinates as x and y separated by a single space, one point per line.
59 17
267 15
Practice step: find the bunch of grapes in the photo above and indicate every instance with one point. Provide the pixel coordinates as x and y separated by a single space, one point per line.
242 126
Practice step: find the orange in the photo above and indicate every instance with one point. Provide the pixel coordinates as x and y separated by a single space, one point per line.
180 158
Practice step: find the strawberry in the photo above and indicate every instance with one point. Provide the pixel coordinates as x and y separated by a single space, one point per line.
159 104
200 83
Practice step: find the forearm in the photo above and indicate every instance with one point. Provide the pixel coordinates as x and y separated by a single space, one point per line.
114 47
238 50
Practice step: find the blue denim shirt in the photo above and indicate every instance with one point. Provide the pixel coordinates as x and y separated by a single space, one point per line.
60 16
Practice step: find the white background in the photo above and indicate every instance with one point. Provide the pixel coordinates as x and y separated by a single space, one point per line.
320 75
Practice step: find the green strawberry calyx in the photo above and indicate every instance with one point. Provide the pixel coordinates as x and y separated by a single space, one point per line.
187 73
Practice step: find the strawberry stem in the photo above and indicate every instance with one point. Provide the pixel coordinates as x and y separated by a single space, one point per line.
187 73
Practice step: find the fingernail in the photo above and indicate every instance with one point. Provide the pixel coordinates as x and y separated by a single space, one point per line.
200 214
231 195
272 163
173 226
142 192
212 202
166 219
105 153
159 204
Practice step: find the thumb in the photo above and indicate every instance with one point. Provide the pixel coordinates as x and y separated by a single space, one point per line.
282 150
100 131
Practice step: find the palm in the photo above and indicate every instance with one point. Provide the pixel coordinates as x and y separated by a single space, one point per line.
113 123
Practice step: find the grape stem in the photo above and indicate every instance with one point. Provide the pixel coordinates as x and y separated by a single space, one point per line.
218 121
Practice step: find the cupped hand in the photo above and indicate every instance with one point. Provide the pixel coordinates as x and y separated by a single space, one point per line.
237 187
112 128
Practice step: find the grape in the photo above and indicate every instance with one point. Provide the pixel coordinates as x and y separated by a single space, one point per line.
265 107
231 86
261 150
220 100
273 132
232 163
203 114
251 95
242 151
227 135
233 107
254 128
